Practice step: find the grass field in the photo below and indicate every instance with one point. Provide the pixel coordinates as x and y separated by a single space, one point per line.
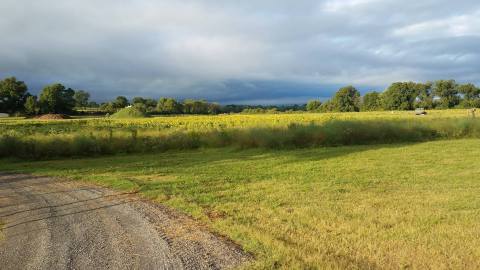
351 207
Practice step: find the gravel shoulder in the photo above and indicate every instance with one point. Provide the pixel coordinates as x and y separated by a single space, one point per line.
53 224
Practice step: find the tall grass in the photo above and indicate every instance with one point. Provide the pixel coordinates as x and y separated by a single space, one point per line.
330 133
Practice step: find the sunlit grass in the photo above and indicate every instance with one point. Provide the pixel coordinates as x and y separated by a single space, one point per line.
355 207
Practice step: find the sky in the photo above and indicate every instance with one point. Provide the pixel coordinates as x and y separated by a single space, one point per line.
248 52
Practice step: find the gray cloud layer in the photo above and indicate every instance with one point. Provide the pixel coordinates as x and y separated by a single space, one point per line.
237 51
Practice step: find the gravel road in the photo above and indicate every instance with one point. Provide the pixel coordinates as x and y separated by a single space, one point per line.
53 224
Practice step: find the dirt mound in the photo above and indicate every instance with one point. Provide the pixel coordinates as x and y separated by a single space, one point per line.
52 116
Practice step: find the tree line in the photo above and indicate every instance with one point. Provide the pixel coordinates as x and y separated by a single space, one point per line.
56 98
441 94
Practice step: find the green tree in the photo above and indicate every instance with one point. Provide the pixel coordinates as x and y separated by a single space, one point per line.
371 102
191 106
213 108
447 91
471 95
108 107
400 96
13 94
56 99
327 106
151 104
120 102
136 100
31 105
81 98
313 105
168 106
424 96
93 104
347 99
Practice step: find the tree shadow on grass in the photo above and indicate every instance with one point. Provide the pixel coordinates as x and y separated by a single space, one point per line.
188 159
194 163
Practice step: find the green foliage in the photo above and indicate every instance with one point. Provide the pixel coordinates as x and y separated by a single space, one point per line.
191 106
56 99
447 91
260 111
313 105
136 100
31 106
371 102
13 94
425 96
471 95
150 104
136 111
347 99
108 107
169 106
401 96
147 103
81 98
120 102
327 106
93 104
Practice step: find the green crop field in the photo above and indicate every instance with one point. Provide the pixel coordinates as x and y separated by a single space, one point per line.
411 202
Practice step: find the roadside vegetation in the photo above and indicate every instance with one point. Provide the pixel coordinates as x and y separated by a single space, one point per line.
412 206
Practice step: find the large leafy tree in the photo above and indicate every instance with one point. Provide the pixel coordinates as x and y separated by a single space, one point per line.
347 99
168 106
136 100
400 96
56 98
327 106
81 98
424 96
313 105
471 95
120 102
148 103
447 91
31 105
151 104
371 102
213 108
13 94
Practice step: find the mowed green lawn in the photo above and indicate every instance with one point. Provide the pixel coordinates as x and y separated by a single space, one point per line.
387 206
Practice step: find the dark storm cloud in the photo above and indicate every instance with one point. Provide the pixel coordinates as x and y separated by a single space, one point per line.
237 51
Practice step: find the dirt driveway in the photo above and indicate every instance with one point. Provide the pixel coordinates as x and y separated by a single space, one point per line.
54 224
